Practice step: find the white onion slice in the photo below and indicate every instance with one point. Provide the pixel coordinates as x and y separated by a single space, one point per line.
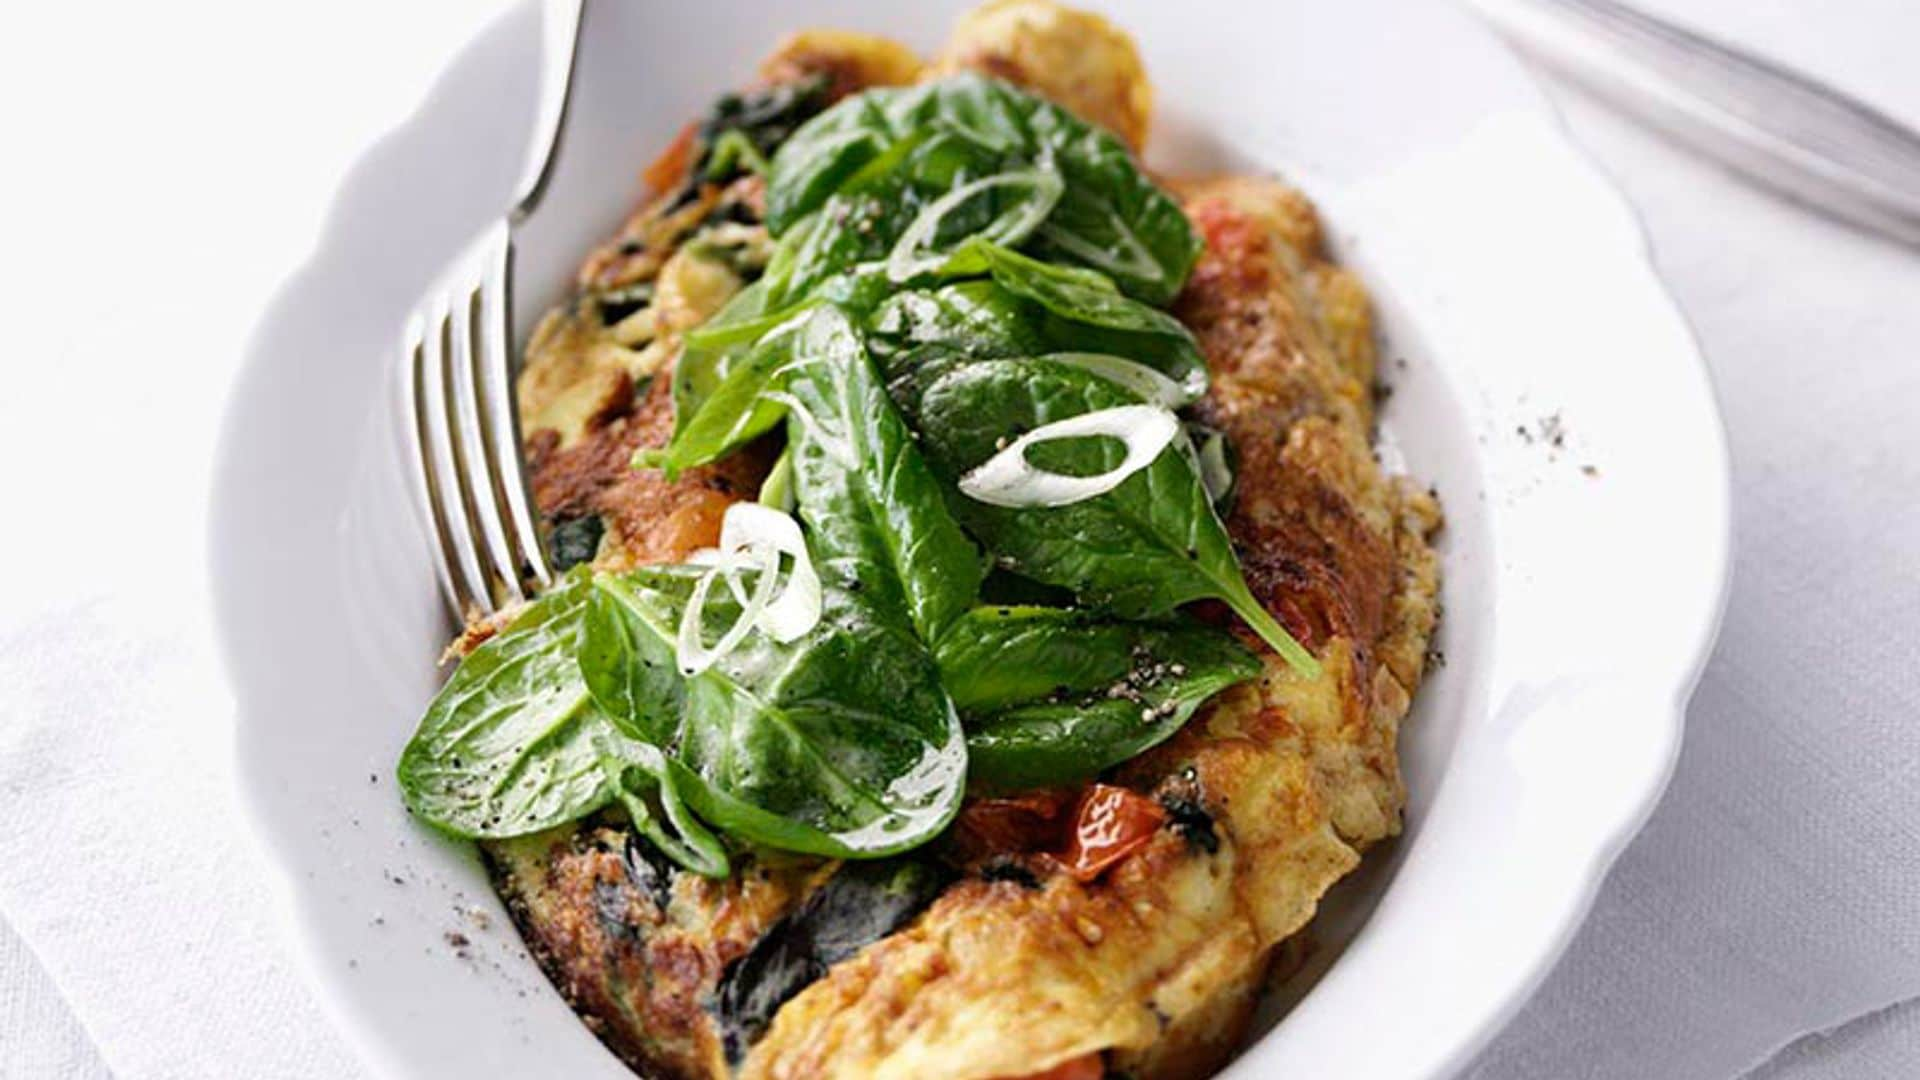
690 648
905 261
752 537
1008 479
713 556
1152 386
752 526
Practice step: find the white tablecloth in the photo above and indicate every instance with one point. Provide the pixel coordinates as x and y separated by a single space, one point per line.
176 160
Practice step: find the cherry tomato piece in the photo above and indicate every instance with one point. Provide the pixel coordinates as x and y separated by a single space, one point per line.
1109 824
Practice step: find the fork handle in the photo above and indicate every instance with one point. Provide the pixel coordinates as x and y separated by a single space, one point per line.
559 45
1785 130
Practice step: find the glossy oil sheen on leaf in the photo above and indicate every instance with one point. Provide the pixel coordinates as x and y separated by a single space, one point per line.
641 781
812 746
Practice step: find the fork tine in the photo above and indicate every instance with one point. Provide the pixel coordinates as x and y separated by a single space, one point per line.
474 451
499 420
457 382
466 436
423 375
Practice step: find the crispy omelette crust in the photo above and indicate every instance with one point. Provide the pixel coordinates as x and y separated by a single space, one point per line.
1154 967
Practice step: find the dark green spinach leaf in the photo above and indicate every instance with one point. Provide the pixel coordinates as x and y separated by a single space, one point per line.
1059 742
1109 216
842 742
642 781
625 655
863 488
1138 551
995 657
1051 695
727 379
515 742
1026 308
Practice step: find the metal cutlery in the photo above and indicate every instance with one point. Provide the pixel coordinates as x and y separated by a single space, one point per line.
1780 128
456 374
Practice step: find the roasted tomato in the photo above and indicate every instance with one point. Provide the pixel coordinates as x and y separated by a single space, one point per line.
1109 824
1011 825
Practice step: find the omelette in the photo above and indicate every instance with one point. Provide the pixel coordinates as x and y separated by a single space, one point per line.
1123 927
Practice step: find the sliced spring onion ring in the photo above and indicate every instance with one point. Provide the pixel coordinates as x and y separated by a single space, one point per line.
906 261
752 527
752 538
1008 479
1152 386
689 648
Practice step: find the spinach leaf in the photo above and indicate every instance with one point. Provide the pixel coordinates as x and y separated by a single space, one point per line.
978 319
1084 312
863 488
842 742
723 402
995 657
626 659
642 782
1004 588
1051 695
729 357
1138 551
1058 742
1108 216
508 746
1027 308
726 381
515 742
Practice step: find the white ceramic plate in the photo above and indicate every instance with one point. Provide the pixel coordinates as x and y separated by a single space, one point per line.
1583 575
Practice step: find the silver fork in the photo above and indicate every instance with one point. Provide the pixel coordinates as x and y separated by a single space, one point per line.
457 381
